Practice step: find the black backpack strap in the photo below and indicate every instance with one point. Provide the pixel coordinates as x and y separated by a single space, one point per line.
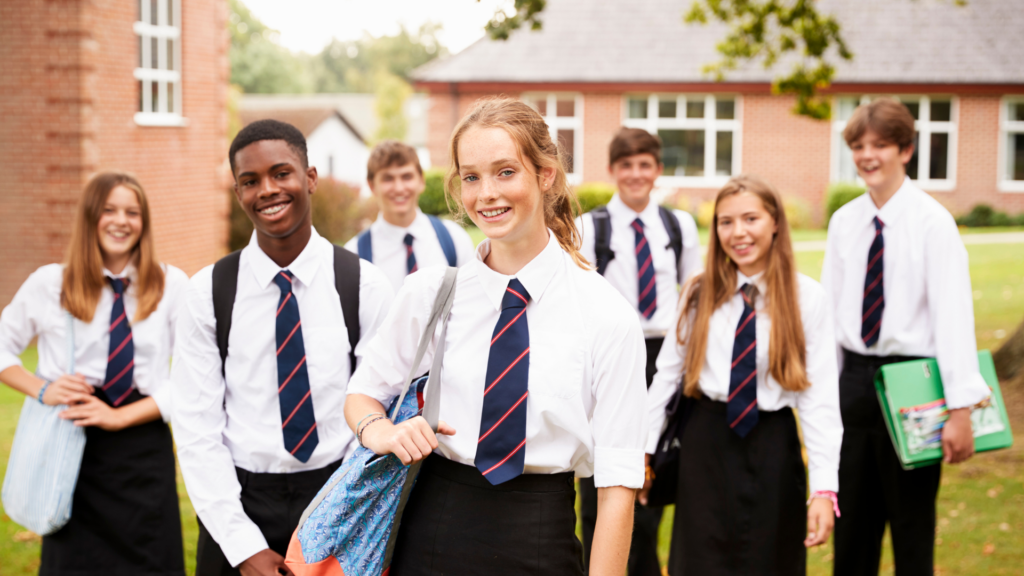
675 238
225 284
602 238
346 282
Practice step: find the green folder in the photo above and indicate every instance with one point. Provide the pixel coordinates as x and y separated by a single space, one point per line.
914 407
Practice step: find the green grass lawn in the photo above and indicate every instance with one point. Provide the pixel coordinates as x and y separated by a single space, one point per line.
981 504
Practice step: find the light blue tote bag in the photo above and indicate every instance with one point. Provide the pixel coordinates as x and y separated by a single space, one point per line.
45 458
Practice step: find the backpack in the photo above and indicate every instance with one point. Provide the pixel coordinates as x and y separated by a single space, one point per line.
603 238
365 242
346 282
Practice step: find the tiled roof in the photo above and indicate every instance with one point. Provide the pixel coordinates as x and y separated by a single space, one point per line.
893 41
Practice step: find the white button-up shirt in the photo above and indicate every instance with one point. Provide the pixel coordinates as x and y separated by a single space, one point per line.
929 309
586 408
817 406
223 423
36 312
388 243
622 270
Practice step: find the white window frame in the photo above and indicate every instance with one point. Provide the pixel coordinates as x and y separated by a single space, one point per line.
556 123
709 124
1007 127
925 128
167 78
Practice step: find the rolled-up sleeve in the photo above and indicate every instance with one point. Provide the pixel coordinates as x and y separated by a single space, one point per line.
162 390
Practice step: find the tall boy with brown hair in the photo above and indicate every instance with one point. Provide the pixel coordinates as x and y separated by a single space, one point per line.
896 272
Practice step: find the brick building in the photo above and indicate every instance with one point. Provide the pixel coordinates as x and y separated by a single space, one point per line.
136 85
596 66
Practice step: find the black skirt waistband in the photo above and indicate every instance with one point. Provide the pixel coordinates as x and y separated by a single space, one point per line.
855 360
707 404
285 480
469 475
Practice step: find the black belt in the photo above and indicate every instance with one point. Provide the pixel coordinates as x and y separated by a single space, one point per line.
855 360
469 475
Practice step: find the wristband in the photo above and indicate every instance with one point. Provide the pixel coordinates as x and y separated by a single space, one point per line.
828 495
358 424
359 433
46 384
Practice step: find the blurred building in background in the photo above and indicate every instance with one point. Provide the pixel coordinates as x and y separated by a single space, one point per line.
135 85
597 66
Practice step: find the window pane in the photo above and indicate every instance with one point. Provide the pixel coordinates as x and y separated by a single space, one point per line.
567 144
723 154
170 54
694 108
666 108
154 13
541 104
154 54
565 108
170 13
141 88
912 165
847 170
940 156
142 62
170 98
683 152
941 111
637 108
139 18
846 107
725 109
915 109
155 102
1015 112
1015 156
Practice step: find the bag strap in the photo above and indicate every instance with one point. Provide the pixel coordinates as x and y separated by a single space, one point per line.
602 238
441 310
445 239
364 245
346 282
675 238
225 284
71 342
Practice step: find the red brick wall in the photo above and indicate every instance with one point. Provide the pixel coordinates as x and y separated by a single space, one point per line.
68 99
977 157
602 118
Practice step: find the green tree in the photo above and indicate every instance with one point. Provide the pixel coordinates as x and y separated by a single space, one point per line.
259 65
356 65
391 94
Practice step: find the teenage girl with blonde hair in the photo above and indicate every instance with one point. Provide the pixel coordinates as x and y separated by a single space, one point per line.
754 341
123 304
537 387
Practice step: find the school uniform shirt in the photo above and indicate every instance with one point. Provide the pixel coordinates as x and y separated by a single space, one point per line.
622 270
929 310
389 253
224 422
817 406
585 409
36 312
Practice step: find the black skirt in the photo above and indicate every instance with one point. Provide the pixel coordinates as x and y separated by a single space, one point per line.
741 507
125 519
456 523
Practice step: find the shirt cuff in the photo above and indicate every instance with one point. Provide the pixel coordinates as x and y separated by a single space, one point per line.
162 397
824 479
967 392
244 543
652 441
618 467
7 360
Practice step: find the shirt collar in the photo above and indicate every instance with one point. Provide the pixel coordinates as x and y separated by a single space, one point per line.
129 272
757 279
894 209
535 276
618 210
382 226
304 266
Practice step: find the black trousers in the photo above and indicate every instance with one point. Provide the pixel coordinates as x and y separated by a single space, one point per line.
457 523
125 519
741 507
643 550
274 502
874 489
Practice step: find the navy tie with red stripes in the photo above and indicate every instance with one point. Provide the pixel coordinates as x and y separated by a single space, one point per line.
501 449
410 257
298 422
117 383
874 289
647 302
741 407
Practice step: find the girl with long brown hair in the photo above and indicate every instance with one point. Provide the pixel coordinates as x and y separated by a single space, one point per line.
120 304
754 341
543 375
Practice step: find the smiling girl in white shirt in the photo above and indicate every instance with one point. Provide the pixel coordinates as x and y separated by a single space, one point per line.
754 341
538 387
125 518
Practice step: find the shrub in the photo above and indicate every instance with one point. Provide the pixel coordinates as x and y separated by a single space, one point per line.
838 194
980 215
594 194
432 200
797 212
705 213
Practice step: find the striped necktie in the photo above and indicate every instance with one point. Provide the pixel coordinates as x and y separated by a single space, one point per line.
741 407
117 383
874 289
298 422
647 302
410 257
500 451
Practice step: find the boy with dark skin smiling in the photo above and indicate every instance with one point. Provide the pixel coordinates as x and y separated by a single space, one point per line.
267 349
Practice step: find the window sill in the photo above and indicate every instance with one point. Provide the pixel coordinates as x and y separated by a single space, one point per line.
691 181
1011 186
164 120
935 185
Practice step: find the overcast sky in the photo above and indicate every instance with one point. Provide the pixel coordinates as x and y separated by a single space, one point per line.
308 25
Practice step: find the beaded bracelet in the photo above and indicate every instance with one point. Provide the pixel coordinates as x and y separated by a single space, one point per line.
359 434
828 495
46 384
358 424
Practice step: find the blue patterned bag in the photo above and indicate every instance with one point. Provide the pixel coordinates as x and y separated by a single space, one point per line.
351 526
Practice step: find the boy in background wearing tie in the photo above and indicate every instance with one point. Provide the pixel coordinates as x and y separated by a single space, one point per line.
403 239
259 391
896 272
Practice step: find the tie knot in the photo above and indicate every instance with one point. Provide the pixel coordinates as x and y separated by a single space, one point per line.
118 284
408 239
878 223
284 280
516 295
749 291
638 225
